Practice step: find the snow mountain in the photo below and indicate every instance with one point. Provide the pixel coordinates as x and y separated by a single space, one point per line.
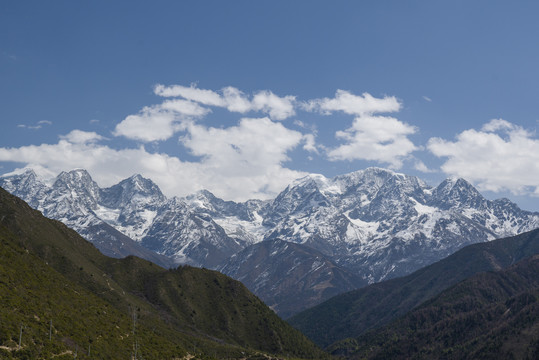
382 224
376 223
76 200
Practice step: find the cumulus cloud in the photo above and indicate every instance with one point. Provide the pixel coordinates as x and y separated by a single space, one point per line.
278 108
498 124
238 163
420 166
501 156
251 152
310 143
376 138
234 100
371 137
353 104
81 137
159 122
254 141
205 97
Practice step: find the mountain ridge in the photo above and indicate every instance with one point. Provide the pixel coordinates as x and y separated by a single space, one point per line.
353 313
488 315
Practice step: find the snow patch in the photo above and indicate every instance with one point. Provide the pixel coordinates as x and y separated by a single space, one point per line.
423 209
108 215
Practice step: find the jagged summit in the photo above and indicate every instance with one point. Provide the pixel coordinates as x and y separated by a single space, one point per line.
310 179
133 189
79 185
25 184
457 192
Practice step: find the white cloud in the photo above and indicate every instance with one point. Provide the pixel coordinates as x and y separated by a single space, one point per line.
371 137
278 108
32 127
353 104
81 137
376 138
498 124
205 97
238 163
12 57
38 126
426 98
159 122
310 143
234 100
420 166
251 152
501 156
248 160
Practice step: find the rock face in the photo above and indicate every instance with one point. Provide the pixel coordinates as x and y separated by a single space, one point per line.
376 223
289 277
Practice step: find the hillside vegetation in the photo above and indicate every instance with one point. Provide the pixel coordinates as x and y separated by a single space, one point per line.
351 314
61 298
492 315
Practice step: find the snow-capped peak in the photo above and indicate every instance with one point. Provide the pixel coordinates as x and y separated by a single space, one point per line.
375 221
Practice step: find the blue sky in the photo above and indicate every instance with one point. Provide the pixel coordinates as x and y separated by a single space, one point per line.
241 97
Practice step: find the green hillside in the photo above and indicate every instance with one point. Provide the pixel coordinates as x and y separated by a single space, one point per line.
352 314
492 315
69 300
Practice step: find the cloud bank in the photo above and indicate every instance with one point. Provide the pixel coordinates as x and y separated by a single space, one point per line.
501 156
235 163
252 158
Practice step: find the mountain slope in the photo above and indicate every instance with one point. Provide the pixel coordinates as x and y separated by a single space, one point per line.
188 237
74 199
351 314
59 316
490 315
383 224
289 277
176 310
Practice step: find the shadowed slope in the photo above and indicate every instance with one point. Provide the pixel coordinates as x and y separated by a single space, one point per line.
492 315
353 313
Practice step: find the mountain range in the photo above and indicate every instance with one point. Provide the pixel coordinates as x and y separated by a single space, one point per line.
358 228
